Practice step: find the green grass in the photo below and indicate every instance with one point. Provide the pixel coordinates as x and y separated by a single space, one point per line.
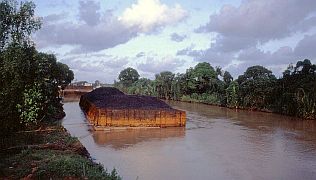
52 163
61 137
71 165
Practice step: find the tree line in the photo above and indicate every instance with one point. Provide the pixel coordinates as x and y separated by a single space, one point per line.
29 80
256 89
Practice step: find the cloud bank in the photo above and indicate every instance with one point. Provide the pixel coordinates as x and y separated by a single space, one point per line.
148 15
96 30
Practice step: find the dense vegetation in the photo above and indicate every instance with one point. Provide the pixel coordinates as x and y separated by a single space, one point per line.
29 80
257 89
29 98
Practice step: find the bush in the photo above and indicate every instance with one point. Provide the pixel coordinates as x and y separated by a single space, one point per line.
70 165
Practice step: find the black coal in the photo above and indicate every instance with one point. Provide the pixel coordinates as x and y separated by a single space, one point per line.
108 97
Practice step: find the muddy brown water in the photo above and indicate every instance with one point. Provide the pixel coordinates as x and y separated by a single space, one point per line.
217 143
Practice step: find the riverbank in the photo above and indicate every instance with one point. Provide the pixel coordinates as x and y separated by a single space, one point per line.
48 152
254 109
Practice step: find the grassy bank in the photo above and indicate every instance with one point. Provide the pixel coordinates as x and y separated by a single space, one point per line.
48 152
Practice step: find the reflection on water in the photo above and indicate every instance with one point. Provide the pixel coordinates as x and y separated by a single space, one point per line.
217 143
120 139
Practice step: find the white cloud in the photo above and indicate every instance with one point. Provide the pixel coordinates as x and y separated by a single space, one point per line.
96 66
96 30
156 65
147 15
86 36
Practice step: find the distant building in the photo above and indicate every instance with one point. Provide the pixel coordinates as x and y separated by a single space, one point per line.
87 85
81 83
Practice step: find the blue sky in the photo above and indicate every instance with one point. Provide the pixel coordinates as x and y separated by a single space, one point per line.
98 39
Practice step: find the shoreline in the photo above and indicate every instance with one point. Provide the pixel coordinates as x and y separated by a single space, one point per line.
243 109
53 154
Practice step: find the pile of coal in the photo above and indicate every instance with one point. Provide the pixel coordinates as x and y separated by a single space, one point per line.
109 97
100 94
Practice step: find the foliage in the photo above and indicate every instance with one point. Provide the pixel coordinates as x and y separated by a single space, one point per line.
293 94
31 106
63 75
255 86
164 84
201 77
203 98
232 94
29 80
128 76
142 86
17 22
296 91
176 87
227 77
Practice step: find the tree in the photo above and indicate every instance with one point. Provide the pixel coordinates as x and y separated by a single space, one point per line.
255 72
63 75
143 86
232 94
16 75
17 23
29 88
164 84
227 77
296 91
128 76
189 83
255 87
219 71
204 73
305 68
200 77
29 79
176 87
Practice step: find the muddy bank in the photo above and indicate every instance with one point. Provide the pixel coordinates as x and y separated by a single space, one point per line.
50 153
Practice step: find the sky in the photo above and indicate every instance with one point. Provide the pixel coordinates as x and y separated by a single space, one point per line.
99 38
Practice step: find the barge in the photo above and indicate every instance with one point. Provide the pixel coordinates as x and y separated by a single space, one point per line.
109 108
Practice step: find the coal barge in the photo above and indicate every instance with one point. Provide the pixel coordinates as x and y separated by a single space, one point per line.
108 107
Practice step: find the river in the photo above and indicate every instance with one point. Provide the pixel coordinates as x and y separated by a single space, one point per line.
217 143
